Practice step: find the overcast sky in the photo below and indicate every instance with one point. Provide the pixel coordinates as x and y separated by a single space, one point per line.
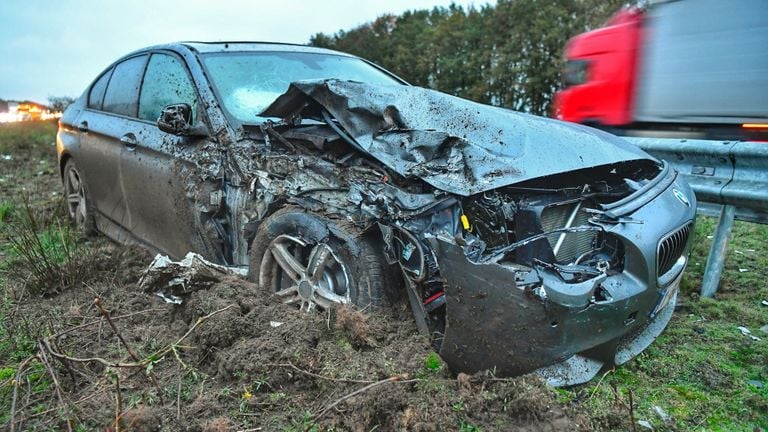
55 48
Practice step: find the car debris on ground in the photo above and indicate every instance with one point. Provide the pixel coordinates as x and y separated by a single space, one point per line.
173 280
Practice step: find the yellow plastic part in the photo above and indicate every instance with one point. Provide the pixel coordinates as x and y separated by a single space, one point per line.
465 222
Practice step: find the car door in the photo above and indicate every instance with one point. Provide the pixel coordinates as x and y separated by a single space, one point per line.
166 192
112 101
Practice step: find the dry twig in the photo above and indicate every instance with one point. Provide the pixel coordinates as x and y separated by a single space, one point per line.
152 357
105 314
77 402
397 378
594 390
44 359
100 320
178 391
631 409
118 403
15 390
296 368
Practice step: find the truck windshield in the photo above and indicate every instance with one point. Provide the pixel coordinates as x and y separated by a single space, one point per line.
575 72
247 82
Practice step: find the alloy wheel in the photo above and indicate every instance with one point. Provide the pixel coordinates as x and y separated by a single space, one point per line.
308 274
75 195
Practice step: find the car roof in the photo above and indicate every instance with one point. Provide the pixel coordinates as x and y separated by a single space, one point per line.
237 46
213 47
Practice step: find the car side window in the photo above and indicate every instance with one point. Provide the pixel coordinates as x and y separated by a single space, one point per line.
122 95
96 96
166 82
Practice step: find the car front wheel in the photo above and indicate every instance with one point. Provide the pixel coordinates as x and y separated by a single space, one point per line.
317 262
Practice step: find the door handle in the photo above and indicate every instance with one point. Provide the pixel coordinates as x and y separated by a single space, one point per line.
83 126
129 140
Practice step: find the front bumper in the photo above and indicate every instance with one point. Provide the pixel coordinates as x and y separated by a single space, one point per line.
567 336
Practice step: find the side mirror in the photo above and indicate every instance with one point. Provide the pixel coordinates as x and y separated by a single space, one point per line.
176 119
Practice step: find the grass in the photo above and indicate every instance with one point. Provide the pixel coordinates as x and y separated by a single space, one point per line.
6 209
702 372
26 135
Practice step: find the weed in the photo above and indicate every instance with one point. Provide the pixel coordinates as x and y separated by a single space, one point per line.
433 362
6 210
51 254
7 372
259 382
134 401
458 406
226 392
465 426
306 424
344 344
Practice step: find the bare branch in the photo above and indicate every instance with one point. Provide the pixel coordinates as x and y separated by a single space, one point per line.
15 390
296 368
44 359
142 363
397 378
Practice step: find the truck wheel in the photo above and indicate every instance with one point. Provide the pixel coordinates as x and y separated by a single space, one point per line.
79 204
317 263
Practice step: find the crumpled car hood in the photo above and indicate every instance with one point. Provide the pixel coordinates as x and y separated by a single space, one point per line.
453 144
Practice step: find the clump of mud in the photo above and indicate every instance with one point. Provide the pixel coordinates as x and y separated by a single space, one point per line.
354 326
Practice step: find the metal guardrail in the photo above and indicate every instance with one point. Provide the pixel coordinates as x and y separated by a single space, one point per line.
730 179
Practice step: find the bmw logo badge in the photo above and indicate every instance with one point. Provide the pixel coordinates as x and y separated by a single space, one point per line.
679 195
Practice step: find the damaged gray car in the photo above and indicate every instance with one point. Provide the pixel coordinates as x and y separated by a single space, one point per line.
523 244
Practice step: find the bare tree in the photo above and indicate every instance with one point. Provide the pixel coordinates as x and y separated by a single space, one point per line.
59 103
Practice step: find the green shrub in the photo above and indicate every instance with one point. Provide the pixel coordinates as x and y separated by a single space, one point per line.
48 256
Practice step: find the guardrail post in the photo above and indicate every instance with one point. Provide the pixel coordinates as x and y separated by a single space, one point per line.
716 259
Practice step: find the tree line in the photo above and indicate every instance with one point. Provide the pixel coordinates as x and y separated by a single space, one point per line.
508 54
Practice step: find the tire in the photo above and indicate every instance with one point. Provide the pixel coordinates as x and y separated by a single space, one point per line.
77 199
318 262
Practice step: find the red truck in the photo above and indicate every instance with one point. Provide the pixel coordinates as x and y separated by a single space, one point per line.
684 68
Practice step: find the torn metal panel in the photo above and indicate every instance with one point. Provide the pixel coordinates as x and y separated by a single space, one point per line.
172 280
455 145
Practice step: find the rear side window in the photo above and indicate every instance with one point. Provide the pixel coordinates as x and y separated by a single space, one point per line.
575 72
96 96
166 82
122 96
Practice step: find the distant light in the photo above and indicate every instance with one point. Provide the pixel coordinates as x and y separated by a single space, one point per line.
755 125
10 117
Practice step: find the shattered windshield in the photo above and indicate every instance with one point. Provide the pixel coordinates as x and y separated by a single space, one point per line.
247 82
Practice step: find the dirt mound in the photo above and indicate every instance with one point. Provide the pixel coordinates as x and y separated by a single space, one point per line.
229 357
